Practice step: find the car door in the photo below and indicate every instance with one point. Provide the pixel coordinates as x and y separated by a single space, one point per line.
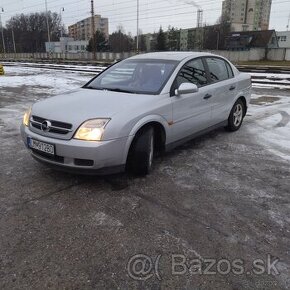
223 86
191 112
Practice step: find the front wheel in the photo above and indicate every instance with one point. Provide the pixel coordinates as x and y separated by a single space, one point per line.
141 154
236 116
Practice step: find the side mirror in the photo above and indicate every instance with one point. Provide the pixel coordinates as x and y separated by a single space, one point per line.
186 88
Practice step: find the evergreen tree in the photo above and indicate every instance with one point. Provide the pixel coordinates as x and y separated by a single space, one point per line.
173 39
101 42
161 40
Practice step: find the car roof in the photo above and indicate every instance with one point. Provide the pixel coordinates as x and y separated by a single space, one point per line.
171 55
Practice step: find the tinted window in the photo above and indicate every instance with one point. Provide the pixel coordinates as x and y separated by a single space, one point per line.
219 69
192 72
136 76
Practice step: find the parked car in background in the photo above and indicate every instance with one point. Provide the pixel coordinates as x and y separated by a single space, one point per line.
141 105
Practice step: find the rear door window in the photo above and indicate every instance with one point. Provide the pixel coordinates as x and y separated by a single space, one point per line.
230 70
219 69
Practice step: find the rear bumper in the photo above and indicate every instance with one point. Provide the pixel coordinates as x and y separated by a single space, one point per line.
83 157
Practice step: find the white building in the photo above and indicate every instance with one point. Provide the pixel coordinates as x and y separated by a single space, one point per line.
283 39
66 45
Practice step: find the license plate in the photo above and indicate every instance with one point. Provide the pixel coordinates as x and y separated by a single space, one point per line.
40 146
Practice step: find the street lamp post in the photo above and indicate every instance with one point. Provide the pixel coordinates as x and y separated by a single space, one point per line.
13 37
137 39
60 12
2 32
47 24
218 40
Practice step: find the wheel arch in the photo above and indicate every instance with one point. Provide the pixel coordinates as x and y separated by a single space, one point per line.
160 126
243 99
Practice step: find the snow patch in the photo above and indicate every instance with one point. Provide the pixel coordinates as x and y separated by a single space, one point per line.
272 125
102 219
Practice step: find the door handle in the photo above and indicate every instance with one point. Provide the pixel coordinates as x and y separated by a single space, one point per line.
207 96
232 88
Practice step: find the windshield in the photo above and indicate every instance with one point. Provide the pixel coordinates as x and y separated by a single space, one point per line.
135 76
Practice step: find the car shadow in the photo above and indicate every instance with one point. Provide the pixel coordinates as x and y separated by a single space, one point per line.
121 181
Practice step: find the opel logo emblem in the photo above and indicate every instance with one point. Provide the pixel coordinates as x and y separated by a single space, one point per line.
45 126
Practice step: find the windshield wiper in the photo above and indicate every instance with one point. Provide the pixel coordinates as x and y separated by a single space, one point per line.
91 88
110 89
119 90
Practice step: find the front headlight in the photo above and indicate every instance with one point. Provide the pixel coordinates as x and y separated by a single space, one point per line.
26 117
92 130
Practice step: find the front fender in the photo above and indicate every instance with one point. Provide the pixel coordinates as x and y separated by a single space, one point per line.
141 123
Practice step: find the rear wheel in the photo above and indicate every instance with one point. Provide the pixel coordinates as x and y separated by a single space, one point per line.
141 154
236 116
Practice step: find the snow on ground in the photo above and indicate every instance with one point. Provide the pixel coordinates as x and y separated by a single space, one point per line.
271 115
55 82
21 86
271 75
88 67
281 80
270 86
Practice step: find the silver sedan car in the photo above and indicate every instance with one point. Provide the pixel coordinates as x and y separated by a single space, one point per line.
140 106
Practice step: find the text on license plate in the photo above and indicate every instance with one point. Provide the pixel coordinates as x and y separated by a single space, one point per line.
41 146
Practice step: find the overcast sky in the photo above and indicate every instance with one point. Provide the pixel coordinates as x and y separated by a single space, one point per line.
153 13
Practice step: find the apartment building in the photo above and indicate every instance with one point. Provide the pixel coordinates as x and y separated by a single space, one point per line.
183 39
192 38
247 15
82 30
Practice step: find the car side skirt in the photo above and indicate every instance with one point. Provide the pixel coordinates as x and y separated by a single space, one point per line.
175 144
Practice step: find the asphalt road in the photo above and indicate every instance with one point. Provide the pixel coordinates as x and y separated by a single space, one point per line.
220 201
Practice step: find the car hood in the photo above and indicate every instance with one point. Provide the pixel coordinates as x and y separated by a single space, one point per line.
83 104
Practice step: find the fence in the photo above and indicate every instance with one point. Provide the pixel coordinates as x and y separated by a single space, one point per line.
257 54
82 56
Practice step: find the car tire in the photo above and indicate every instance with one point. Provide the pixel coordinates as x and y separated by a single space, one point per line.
236 117
141 154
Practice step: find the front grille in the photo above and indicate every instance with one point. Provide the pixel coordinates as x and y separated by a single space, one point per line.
56 126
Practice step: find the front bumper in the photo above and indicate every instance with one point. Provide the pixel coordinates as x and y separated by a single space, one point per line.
84 157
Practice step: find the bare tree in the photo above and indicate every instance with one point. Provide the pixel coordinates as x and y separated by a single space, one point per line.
30 30
119 41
